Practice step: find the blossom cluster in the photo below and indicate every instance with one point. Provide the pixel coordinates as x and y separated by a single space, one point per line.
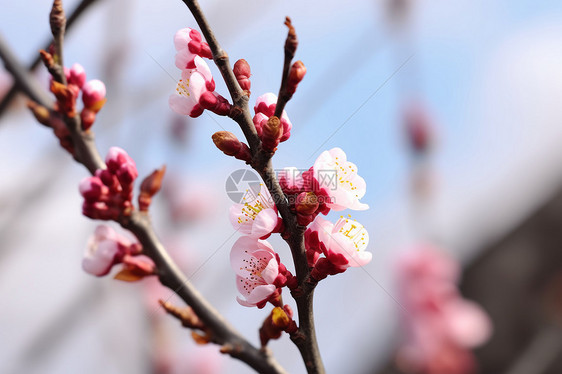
331 248
108 194
441 327
93 98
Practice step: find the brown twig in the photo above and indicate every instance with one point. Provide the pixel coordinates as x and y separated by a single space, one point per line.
23 80
74 15
291 44
261 162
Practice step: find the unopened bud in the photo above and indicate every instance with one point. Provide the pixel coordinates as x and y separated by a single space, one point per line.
66 98
229 144
274 325
149 187
215 103
87 117
296 75
93 95
272 132
307 203
76 75
57 18
47 59
292 42
42 114
242 73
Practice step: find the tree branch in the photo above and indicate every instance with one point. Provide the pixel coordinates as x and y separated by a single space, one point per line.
139 224
261 162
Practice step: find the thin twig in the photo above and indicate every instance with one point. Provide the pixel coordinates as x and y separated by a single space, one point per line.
21 77
74 15
290 48
261 162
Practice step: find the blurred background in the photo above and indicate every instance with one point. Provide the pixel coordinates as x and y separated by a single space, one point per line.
451 111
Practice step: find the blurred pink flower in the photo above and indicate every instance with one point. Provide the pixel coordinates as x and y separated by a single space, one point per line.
257 271
440 326
339 179
105 249
256 216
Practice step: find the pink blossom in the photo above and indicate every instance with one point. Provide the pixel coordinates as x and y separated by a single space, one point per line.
256 216
257 269
343 243
93 94
440 326
189 45
191 86
265 108
339 179
104 250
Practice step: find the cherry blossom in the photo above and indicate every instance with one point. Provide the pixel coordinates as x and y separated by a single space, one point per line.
265 108
259 272
256 216
339 179
343 243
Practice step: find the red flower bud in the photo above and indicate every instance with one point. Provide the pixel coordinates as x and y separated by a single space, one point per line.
242 73
296 75
93 95
149 187
271 134
88 117
229 144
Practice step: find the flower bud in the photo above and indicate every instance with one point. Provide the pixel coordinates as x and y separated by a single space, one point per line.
47 59
41 114
149 187
87 117
57 18
92 189
274 325
272 132
242 73
296 75
418 129
307 203
66 98
215 103
93 95
229 144
76 75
